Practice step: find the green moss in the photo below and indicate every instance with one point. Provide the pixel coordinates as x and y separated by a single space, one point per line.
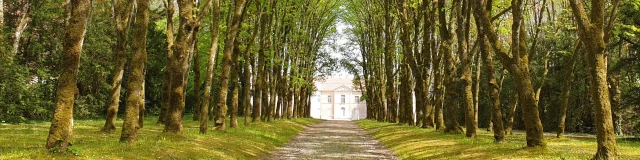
26 141
416 143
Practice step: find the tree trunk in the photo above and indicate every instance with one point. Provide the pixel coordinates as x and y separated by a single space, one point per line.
591 32
566 89
142 108
20 27
213 51
513 104
246 89
518 66
136 76
438 91
450 81
62 123
165 105
234 86
228 62
196 81
2 14
462 33
179 64
122 9
494 88
389 60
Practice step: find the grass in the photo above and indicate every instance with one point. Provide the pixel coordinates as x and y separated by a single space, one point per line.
26 141
410 142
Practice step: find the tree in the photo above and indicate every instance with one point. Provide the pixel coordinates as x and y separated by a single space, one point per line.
591 30
135 87
166 87
122 11
462 33
389 58
21 25
517 65
232 32
179 62
450 81
566 89
62 123
213 51
494 87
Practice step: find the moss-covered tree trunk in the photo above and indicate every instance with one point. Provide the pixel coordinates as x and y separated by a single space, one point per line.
438 91
246 89
136 76
234 86
494 88
196 81
591 32
166 86
142 107
213 51
232 31
462 33
518 66
122 11
427 41
389 63
178 65
513 105
62 123
450 78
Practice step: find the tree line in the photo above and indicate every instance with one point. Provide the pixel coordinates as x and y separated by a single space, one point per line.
536 65
214 59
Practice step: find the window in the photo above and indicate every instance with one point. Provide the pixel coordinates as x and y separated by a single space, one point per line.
343 99
319 98
357 99
329 99
344 112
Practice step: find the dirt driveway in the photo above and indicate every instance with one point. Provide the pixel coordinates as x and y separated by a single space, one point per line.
333 140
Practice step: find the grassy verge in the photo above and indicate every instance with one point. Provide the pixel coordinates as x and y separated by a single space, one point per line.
26 141
415 143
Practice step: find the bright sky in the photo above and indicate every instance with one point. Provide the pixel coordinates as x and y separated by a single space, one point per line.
339 40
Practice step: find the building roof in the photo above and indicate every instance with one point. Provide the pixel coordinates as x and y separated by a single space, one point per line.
333 83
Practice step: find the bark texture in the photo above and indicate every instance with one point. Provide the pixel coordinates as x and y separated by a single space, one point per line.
213 51
232 31
591 32
62 123
122 11
136 76
165 105
518 66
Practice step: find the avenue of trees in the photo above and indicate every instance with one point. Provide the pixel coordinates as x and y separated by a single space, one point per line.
216 59
535 65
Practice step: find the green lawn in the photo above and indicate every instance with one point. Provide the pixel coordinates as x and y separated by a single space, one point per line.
26 141
410 142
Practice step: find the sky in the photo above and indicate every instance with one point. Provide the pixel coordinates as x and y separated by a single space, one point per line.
339 40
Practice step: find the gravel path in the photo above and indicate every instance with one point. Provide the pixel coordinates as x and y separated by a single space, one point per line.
333 140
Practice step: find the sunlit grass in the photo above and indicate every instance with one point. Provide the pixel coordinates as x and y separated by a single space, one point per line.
26 141
410 142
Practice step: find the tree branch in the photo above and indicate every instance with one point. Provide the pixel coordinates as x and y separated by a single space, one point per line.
580 14
501 13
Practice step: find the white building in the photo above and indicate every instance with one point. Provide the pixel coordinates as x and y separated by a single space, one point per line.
336 98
